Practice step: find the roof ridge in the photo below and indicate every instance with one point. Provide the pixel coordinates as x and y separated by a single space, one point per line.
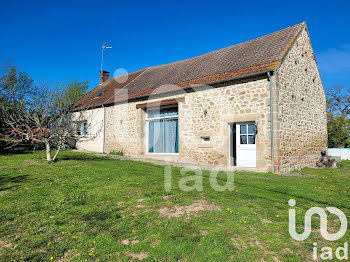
218 50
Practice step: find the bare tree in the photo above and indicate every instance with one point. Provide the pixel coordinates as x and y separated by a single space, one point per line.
338 101
47 117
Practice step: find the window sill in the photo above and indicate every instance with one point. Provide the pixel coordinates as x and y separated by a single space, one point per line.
162 154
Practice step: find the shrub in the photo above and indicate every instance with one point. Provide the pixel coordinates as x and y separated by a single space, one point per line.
116 153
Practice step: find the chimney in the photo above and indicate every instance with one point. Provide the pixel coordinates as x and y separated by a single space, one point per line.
104 75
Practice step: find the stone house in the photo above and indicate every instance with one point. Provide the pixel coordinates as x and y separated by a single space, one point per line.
259 105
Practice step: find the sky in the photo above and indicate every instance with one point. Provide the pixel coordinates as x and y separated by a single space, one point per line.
61 40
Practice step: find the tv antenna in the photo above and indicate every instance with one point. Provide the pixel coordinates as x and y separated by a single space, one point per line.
104 47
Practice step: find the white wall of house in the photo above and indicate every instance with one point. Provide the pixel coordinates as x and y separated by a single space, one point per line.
93 141
343 153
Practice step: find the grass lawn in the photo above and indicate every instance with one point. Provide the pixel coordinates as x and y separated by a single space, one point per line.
86 208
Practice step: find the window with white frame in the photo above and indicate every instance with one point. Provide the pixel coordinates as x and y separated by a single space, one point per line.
81 128
163 131
247 133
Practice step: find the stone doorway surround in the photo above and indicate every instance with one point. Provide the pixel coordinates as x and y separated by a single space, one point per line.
261 137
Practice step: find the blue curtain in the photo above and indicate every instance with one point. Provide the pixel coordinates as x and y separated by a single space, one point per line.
151 137
163 136
171 136
156 136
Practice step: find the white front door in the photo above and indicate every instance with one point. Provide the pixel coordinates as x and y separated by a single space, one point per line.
245 144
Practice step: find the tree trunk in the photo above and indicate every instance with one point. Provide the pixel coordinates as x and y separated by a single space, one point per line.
58 150
48 152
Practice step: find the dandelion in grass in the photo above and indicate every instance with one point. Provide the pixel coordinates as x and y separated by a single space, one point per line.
277 216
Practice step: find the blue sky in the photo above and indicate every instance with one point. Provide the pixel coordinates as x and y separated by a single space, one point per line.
60 40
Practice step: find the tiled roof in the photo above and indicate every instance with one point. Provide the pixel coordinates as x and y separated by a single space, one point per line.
107 90
258 55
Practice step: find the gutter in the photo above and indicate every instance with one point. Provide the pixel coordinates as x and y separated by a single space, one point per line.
232 78
269 77
104 129
145 97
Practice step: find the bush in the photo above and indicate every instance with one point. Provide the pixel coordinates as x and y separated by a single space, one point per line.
116 153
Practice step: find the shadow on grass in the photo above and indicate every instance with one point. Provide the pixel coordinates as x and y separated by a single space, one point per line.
6 180
15 151
23 148
81 157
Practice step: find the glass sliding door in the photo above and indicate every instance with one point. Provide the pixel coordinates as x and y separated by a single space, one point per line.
163 130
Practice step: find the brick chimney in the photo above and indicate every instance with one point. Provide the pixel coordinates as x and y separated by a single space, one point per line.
104 75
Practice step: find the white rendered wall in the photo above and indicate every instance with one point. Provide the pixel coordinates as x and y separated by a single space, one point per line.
343 153
94 140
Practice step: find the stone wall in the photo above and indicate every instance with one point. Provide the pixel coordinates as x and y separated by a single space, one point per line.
126 128
302 122
224 106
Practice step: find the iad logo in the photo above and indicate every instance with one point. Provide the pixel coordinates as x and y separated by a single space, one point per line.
326 251
323 216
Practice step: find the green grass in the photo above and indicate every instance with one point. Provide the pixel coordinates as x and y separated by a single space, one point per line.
86 208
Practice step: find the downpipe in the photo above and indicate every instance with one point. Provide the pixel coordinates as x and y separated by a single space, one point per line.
269 77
